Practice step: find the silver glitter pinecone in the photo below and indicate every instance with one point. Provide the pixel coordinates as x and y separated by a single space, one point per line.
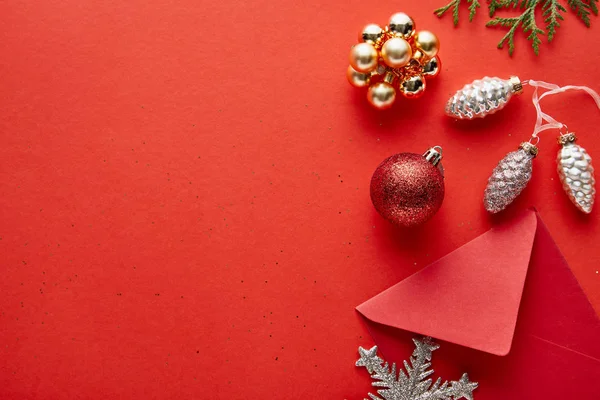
576 173
482 97
509 178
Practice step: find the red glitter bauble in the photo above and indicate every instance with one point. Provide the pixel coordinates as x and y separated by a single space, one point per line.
406 189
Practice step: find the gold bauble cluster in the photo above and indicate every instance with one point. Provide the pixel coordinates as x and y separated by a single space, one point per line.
397 57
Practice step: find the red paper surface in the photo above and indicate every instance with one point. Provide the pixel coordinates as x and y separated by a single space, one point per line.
556 329
184 190
469 297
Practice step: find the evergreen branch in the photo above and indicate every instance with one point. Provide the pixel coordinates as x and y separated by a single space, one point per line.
510 35
529 25
582 9
493 6
473 9
455 5
516 3
528 3
593 6
551 11
442 10
525 20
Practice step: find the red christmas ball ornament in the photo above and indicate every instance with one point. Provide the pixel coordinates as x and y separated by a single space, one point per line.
407 189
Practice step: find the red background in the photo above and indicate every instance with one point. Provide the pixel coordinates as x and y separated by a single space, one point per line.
184 190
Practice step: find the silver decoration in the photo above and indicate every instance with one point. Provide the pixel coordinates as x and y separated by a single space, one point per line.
434 156
482 97
576 173
413 385
509 178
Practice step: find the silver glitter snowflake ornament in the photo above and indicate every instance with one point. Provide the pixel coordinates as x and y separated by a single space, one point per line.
414 384
483 97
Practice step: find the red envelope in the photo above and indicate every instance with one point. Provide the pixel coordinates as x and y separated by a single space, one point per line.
506 309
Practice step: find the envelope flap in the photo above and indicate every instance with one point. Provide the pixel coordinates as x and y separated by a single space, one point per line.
554 307
470 297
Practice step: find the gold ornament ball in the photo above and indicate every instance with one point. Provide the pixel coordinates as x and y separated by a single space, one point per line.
381 95
401 25
413 87
432 67
370 34
363 57
428 43
357 79
396 52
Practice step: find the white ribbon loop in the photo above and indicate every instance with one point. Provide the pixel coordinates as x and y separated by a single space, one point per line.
545 121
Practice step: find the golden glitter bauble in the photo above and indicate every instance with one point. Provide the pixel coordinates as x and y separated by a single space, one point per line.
428 43
370 34
413 87
363 57
396 52
357 79
382 95
432 67
401 25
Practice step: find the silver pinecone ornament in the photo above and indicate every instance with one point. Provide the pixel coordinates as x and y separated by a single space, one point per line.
509 178
483 97
576 173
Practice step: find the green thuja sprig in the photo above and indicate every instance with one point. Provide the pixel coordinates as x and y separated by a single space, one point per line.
455 4
552 12
526 21
583 9
493 6
594 6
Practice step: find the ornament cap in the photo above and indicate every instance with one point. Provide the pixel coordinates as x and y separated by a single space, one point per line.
529 148
517 85
567 138
389 77
434 155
